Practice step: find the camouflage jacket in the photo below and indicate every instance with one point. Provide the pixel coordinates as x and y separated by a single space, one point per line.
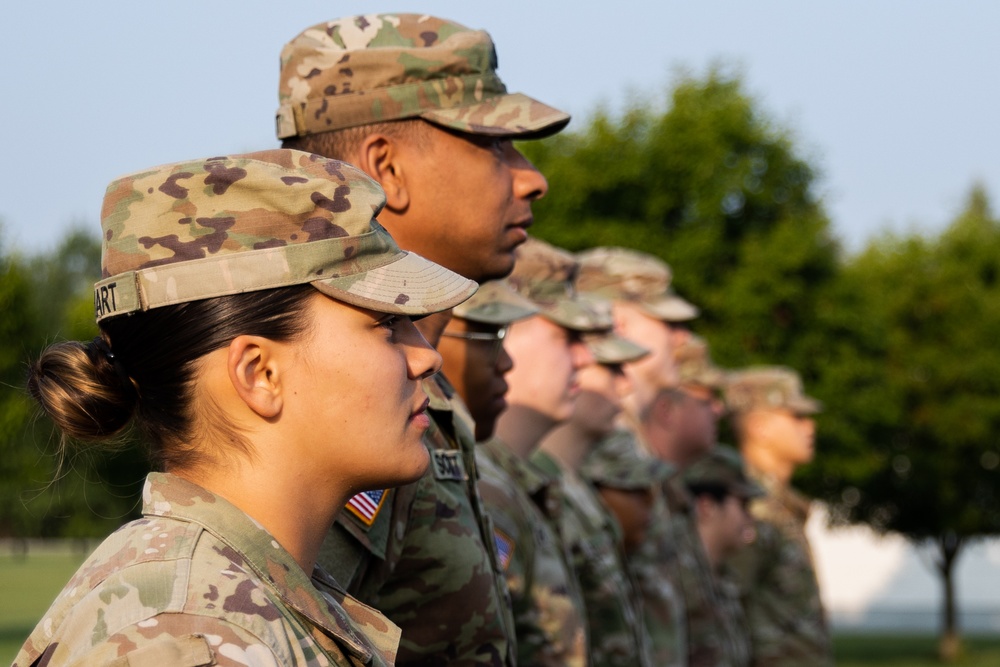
778 583
198 582
549 618
592 538
705 615
424 553
653 569
737 628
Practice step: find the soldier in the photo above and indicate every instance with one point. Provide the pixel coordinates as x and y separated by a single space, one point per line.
721 493
473 353
416 103
647 310
589 533
235 300
547 352
773 421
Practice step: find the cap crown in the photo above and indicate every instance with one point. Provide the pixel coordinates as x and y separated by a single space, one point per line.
768 387
224 225
382 67
622 274
495 302
722 467
694 364
546 275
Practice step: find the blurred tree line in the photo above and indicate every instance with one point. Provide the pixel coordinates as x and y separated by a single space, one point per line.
897 340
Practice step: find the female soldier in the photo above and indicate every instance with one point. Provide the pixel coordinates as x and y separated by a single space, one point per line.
255 325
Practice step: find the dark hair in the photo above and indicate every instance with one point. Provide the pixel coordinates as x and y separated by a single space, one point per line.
342 144
142 367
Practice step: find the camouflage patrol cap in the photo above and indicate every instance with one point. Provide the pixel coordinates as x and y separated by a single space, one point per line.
546 275
621 274
722 467
617 463
694 365
226 225
495 302
610 348
384 67
764 387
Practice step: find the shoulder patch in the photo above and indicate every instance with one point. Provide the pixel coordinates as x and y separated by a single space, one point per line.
448 465
366 505
505 548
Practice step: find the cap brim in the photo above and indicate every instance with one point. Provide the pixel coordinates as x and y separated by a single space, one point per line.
511 115
611 348
496 303
804 405
409 285
671 308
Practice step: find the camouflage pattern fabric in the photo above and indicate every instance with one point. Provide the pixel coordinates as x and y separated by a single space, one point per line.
621 274
382 67
768 387
618 461
198 582
695 367
592 538
735 619
549 615
778 583
227 225
427 559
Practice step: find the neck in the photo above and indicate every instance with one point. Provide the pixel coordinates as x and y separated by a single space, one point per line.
761 458
712 552
569 444
286 506
521 429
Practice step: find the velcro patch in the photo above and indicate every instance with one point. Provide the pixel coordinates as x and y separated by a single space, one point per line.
505 548
448 465
366 505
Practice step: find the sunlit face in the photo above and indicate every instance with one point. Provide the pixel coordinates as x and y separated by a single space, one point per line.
789 436
602 387
546 358
354 388
470 202
656 370
476 368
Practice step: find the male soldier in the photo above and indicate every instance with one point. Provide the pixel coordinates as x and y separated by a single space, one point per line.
648 311
415 102
473 353
773 421
721 494
589 533
548 352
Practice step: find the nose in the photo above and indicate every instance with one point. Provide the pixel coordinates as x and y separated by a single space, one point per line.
623 383
504 364
581 354
422 360
529 183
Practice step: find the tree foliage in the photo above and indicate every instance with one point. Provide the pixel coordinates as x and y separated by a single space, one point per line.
713 187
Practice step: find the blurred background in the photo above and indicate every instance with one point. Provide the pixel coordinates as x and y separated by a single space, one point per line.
821 177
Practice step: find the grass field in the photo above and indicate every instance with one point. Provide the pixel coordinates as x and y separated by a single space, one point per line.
28 586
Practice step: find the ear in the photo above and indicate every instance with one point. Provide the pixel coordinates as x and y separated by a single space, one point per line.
379 156
254 372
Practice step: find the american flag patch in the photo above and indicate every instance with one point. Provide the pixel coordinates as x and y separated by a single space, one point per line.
505 548
366 505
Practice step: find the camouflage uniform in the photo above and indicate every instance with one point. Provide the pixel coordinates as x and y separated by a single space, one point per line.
592 538
549 617
198 582
776 575
618 462
424 553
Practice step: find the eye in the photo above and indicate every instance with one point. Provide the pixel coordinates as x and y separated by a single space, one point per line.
388 322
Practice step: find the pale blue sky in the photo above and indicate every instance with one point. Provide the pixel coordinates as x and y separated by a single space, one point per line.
896 101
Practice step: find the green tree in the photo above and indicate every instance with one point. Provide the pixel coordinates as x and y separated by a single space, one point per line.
912 383
46 298
714 187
